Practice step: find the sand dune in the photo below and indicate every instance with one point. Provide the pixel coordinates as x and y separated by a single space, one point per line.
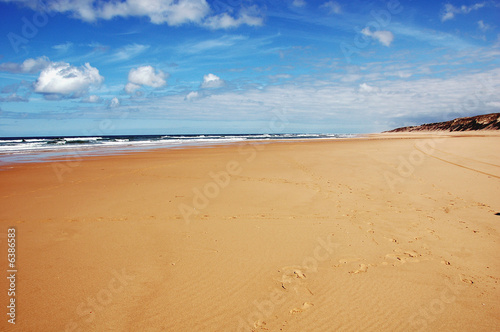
384 233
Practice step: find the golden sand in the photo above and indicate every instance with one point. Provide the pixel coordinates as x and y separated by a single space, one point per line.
383 233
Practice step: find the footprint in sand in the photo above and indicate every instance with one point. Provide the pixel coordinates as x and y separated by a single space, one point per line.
290 274
293 272
299 274
466 280
396 258
433 232
294 279
259 325
362 268
404 256
305 306
390 239
412 256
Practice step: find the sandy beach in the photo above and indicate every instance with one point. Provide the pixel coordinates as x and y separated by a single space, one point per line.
381 233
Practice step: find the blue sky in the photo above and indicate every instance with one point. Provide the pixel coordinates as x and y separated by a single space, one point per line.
241 66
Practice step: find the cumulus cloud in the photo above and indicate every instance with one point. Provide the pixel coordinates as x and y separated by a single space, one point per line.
63 80
145 76
28 66
114 102
332 7
212 81
384 37
171 12
130 88
450 11
158 11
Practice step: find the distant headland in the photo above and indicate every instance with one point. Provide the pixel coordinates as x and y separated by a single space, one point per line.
479 122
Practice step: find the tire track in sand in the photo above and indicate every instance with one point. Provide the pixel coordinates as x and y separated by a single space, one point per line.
456 164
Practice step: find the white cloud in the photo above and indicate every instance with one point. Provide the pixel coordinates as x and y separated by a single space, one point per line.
192 95
483 26
494 104
130 88
114 102
145 76
450 11
400 74
212 81
249 16
92 99
129 51
29 66
447 16
333 7
64 80
171 12
158 11
476 6
365 88
14 97
432 37
211 44
280 77
384 37
63 47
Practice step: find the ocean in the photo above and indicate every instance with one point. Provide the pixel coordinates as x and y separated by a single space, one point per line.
39 149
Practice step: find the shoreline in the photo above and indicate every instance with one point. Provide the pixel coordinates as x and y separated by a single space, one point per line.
86 152
65 152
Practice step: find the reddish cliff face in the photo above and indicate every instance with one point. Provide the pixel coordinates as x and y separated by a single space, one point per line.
480 122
